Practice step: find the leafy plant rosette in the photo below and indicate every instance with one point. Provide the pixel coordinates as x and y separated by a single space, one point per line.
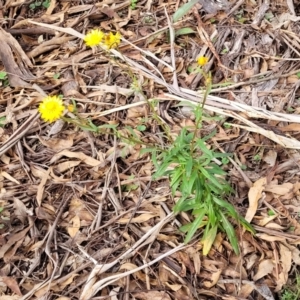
203 188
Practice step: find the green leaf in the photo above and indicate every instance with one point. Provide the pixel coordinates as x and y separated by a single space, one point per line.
46 3
3 75
2 121
184 9
230 233
195 225
107 126
185 228
141 127
162 170
192 204
271 212
179 206
208 239
209 136
246 225
56 75
184 31
204 149
175 179
211 178
191 183
189 167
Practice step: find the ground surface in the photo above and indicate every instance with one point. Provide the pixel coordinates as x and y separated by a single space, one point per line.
82 217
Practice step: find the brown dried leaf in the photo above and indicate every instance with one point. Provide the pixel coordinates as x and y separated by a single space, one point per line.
58 144
254 195
270 157
291 127
215 276
15 237
282 189
286 264
128 266
265 267
12 284
61 285
41 187
74 227
9 177
270 238
77 208
80 155
246 290
21 210
140 219
64 166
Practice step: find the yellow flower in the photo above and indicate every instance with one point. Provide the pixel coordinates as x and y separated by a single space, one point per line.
202 61
94 37
51 108
112 40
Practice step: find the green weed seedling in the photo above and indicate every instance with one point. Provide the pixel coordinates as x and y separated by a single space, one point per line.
3 79
37 4
133 4
292 292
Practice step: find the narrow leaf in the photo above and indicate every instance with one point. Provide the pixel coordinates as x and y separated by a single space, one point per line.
184 9
230 233
194 227
208 239
184 31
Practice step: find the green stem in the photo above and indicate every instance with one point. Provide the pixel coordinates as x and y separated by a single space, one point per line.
200 107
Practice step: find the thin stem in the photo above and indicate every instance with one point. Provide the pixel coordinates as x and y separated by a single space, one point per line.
200 107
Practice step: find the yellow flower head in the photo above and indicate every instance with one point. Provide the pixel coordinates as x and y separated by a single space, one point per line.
112 40
202 61
51 108
94 37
